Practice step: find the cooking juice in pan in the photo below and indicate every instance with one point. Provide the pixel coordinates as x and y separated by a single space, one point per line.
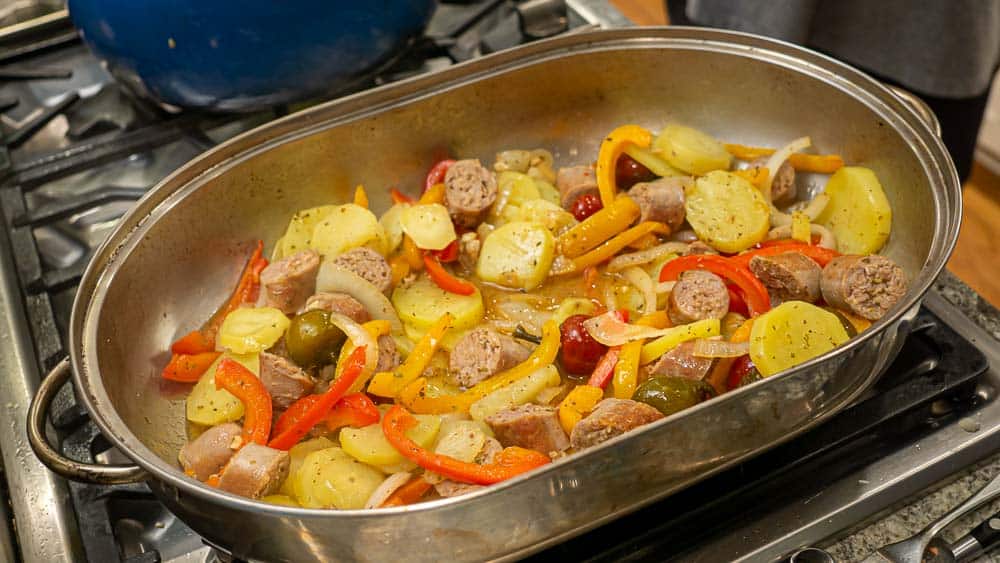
516 312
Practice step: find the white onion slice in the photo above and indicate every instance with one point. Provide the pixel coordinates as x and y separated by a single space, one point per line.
358 337
623 261
778 158
665 287
610 331
610 299
641 280
826 238
812 209
711 348
687 235
384 491
335 279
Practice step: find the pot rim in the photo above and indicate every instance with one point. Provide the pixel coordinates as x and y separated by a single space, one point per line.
100 273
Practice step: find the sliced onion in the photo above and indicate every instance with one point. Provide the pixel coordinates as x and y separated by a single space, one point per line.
826 238
610 331
641 280
610 298
778 158
665 287
812 209
358 337
335 279
687 235
712 348
516 160
623 261
385 490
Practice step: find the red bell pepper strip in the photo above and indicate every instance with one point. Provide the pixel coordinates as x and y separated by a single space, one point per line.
605 368
408 493
736 302
188 368
437 172
321 408
294 413
399 197
446 254
247 387
754 292
354 410
819 254
445 280
508 463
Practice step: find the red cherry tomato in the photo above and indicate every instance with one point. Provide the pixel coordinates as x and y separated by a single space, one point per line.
585 206
741 373
436 173
579 352
448 253
628 172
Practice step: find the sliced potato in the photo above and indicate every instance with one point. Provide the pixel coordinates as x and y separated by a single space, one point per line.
209 406
517 393
461 439
345 227
726 211
691 150
422 303
252 329
369 444
332 479
297 454
448 341
281 500
791 334
513 190
392 226
654 162
858 213
554 217
298 235
548 192
517 255
429 225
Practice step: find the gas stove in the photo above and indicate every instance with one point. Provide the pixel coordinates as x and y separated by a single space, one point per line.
79 150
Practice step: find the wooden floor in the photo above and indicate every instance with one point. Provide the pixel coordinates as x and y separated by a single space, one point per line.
977 257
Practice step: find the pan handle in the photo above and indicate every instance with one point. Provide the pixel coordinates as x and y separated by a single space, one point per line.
919 106
98 474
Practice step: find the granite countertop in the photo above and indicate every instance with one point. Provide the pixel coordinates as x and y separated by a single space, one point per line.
913 517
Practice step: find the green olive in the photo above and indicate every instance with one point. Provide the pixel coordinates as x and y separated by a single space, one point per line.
672 394
313 340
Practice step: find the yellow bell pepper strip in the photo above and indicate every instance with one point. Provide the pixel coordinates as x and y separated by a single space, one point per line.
375 329
820 163
698 329
659 319
612 148
801 230
626 376
508 463
579 402
434 194
390 383
415 398
756 175
644 242
412 254
360 196
607 250
599 227
400 268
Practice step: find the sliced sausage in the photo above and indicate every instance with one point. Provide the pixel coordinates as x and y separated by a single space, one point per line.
491 448
867 286
611 417
697 295
783 188
481 353
661 200
698 247
367 264
681 362
287 283
469 190
787 277
336 302
449 488
573 182
468 250
529 426
255 471
388 355
207 454
285 381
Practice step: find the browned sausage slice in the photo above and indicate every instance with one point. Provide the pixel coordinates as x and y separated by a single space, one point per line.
388 355
697 295
529 426
255 471
611 417
698 247
367 264
287 283
867 286
205 455
481 353
783 188
573 182
285 381
788 277
681 362
469 190
661 200
336 302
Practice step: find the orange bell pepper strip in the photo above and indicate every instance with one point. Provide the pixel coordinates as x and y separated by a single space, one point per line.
818 254
607 250
399 197
360 196
409 493
412 254
754 293
319 410
247 387
756 175
433 194
612 147
599 227
400 268
509 463
188 368
820 163
605 368
443 279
